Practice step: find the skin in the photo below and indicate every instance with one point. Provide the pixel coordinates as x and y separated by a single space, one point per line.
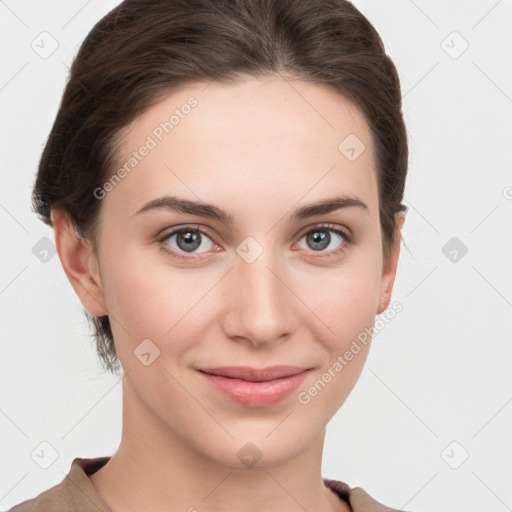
259 149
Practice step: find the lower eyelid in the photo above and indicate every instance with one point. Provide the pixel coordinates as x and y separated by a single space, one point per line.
347 240
343 246
167 236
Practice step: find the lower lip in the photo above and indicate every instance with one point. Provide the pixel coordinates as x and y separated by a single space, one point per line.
256 394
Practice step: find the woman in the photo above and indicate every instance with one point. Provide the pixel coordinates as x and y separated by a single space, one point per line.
224 179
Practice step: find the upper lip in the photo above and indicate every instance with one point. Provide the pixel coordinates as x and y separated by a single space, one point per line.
254 374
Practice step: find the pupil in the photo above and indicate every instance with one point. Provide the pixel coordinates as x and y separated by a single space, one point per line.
191 240
319 237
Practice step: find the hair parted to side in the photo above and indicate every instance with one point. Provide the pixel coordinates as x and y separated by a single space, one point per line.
143 50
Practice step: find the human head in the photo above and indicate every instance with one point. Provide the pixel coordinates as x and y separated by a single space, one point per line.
142 51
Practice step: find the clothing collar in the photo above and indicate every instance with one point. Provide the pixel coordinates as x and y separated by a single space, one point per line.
85 498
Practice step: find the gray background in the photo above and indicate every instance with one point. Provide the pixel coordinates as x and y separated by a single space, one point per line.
437 384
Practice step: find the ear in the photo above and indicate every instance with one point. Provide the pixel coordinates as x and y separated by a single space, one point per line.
79 262
389 269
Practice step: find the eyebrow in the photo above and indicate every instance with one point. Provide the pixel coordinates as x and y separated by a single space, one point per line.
211 211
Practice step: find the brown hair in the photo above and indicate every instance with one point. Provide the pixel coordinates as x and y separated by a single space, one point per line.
143 50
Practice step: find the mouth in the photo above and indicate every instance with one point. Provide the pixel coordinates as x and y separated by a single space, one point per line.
251 387
255 375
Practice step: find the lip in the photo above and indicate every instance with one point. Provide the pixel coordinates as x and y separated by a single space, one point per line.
255 375
256 388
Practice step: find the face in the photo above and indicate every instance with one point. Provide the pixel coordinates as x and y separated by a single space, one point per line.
266 287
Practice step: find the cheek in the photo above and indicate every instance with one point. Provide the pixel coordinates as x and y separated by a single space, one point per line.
154 301
346 303
134 295
348 307
162 303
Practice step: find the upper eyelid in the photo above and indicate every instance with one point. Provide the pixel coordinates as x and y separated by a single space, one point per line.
329 226
165 234
319 225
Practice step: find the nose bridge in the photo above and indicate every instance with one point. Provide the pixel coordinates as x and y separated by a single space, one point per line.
259 305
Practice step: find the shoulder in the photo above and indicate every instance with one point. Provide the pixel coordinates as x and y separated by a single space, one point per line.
75 492
361 501
52 500
357 498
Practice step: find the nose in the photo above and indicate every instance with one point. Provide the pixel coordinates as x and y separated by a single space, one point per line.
259 301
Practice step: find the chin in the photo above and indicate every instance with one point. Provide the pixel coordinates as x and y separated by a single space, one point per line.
268 447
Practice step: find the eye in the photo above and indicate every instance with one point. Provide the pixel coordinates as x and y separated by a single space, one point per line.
319 239
185 240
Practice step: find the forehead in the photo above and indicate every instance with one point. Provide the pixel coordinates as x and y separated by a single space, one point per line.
272 139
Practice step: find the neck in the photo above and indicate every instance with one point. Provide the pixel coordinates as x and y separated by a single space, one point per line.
153 468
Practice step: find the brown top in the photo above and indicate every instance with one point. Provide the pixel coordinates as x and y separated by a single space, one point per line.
77 494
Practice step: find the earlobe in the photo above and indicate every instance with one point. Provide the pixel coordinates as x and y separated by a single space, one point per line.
79 262
389 270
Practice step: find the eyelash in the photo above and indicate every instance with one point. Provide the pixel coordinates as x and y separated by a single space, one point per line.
346 243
